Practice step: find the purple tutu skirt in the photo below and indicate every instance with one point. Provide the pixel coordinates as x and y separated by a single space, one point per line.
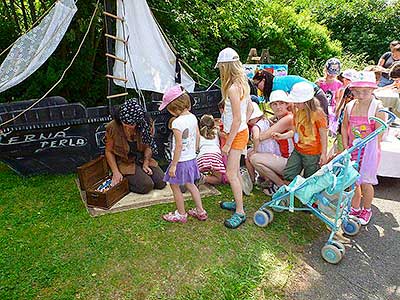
186 172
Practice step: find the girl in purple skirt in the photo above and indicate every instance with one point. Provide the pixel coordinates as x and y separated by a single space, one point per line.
183 169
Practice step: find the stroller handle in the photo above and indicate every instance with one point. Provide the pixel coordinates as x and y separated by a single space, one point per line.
384 124
392 116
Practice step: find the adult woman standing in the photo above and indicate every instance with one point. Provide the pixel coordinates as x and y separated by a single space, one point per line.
129 149
267 82
269 165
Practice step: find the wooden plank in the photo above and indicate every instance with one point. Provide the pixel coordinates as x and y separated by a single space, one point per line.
116 58
117 95
113 16
115 38
116 78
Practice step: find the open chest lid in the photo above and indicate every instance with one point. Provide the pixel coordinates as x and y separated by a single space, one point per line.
92 172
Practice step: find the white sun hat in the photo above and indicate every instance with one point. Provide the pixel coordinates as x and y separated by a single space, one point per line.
256 111
278 95
364 79
301 92
227 55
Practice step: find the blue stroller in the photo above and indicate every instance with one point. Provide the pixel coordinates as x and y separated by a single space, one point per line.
327 194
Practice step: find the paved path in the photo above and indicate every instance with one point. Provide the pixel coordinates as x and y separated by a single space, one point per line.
370 270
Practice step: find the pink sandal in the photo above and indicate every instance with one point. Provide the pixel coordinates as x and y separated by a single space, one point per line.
175 217
199 216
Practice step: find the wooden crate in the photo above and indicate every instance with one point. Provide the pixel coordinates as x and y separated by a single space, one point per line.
91 175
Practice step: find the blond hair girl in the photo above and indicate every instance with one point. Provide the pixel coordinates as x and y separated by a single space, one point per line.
309 133
236 94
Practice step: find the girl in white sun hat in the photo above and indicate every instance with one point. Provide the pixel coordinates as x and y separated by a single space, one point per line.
356 124
309 133
236 95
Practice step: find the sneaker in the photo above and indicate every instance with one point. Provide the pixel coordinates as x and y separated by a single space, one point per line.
199 216
270 190
175 217
259 181
247 184
201 180
355 212
365 216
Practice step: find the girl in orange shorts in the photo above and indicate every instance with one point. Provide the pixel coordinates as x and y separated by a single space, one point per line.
236 94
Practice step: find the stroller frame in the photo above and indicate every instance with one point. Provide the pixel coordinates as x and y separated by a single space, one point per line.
333 251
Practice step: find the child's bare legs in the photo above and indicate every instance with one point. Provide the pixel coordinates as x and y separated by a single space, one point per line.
270 166
356 201
367 195
215 178
194 191
249 165
178 197
233 174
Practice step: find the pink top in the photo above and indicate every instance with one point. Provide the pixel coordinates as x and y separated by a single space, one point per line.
330 89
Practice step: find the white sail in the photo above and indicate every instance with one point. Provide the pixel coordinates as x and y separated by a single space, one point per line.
32 49
151 61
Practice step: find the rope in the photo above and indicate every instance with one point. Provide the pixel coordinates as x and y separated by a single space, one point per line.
63 74
33 25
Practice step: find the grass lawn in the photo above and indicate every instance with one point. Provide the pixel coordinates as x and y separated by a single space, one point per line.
50 248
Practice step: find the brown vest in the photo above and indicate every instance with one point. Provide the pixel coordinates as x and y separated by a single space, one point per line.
117 143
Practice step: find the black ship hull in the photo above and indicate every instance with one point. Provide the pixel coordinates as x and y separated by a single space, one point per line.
56 136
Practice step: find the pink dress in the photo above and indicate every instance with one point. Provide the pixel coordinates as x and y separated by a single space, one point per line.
360 127
330 89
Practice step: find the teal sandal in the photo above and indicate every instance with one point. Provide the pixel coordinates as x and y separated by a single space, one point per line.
229 205
235 221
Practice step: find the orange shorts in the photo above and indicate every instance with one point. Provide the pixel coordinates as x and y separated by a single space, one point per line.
241 139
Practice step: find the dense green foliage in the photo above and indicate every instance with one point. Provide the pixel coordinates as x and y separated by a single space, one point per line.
291 30
363 26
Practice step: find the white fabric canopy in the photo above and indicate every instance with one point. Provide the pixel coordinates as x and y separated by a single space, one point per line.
32 49
150 59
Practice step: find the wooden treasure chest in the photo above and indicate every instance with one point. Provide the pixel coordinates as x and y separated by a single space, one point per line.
92 175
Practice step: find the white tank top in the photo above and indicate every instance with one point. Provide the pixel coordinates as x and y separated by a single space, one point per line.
227 118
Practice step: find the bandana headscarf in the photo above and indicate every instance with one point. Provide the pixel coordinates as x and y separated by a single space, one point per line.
132 113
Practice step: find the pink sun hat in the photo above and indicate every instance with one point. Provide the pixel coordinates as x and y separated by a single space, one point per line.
170 95
364 79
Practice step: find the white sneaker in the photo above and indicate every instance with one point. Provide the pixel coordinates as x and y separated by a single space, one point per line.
247 184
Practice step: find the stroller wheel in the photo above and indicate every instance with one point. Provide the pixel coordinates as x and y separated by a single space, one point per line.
331 254
261 218
340 246
351 227
270 214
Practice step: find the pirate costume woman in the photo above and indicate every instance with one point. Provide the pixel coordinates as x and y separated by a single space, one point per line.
129 149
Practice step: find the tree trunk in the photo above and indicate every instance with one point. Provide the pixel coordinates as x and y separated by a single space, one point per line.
32 10
25 17
14 13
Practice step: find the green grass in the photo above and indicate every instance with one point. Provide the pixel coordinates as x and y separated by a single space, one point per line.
50 248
